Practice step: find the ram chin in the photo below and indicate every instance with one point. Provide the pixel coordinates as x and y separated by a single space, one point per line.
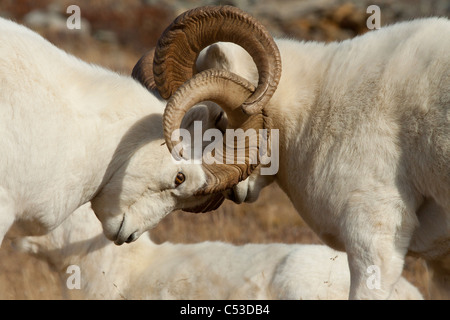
122 229
111 225
129 226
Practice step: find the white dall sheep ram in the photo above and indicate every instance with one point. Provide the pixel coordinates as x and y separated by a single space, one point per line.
72 132
207 270
364 130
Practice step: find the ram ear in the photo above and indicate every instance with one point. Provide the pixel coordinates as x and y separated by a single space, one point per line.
213 56
228 56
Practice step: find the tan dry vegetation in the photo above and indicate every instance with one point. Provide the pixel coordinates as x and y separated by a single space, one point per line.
270 219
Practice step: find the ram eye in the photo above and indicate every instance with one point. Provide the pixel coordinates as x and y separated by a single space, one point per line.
179 179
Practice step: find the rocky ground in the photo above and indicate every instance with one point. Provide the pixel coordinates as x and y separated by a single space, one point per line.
137 24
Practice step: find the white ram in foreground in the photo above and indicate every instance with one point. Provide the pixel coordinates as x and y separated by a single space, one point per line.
364 130
207 270
72 132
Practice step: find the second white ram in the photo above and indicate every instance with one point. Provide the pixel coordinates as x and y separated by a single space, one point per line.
364 129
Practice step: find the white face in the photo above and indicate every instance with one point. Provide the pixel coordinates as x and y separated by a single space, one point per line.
144 191
149 186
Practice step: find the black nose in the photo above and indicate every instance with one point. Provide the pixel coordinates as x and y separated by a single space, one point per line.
132 237
231 195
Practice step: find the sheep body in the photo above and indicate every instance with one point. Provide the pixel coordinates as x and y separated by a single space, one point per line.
364 143
74 132
207 270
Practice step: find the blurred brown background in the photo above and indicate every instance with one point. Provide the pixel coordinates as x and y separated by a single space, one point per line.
115 33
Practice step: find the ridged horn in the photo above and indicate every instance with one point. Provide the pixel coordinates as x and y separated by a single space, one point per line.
229 91
180 44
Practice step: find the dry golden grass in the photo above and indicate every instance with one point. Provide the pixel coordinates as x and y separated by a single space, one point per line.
271 219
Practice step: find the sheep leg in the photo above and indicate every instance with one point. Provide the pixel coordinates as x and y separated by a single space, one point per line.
431 241
6 213
376 249
374 274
